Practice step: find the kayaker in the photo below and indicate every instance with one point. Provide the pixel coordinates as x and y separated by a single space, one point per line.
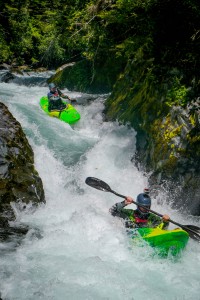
54 97
140 217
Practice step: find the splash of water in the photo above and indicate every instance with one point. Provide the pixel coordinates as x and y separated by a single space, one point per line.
75 249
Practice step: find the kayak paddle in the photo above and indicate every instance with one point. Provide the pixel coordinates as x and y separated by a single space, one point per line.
192 230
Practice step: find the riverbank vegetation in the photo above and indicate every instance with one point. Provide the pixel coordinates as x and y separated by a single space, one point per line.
165 35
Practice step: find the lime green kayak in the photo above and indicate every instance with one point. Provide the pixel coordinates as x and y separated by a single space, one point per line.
164 241
69 114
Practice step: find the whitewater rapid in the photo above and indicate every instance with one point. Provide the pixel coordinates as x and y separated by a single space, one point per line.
75 249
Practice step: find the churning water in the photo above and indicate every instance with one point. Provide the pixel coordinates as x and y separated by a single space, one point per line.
75 249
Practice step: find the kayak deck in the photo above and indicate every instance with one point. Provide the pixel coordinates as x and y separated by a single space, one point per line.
164 241
69 114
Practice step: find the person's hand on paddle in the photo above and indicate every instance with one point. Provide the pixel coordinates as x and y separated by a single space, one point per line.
165 218
71 100
192 230
66 97
128 200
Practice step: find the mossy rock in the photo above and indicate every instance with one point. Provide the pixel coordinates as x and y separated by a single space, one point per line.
19 181
82 76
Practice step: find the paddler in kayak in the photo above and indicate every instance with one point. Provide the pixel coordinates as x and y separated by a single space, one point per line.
140 217
54 97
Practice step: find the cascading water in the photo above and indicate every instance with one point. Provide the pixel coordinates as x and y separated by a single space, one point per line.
75 249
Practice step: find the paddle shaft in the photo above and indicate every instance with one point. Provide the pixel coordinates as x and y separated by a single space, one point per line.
193 231
154 212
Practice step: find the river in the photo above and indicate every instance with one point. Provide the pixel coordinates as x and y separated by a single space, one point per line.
75 249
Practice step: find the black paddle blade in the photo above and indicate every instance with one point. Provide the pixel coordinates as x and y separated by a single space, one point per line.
193 231
97 184
193 227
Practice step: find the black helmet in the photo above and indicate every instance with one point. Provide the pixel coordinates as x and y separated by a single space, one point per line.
144 200
52 86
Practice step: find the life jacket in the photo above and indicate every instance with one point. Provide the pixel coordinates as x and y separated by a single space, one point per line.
54 96
139 218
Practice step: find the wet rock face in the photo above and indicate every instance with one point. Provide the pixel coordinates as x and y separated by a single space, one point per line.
173 152
81 76
7 77
19 181
168 136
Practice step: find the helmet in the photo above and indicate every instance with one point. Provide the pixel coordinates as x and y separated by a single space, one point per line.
52 86
144 200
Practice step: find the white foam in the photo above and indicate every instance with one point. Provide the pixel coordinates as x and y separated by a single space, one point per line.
76 249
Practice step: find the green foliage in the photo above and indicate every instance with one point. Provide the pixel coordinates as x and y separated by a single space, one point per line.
5 52
107 34
178 94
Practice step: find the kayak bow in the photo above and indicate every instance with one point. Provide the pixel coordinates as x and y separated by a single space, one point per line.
69 115
164 241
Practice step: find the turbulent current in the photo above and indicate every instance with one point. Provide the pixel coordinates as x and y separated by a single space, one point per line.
75 250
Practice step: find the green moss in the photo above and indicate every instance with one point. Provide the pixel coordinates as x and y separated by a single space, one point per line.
75 77
177 94
192 120
171 163
193 139
135 97
85 77
163 134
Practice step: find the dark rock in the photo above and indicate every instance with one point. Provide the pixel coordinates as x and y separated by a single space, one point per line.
7 76
4 67
83 77
19 181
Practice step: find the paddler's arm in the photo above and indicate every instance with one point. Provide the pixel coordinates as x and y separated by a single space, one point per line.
165 219
118 208
65 96
155 221
49 96
70 99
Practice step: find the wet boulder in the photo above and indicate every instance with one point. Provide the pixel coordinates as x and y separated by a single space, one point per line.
20 183
4 66
81 76
7 77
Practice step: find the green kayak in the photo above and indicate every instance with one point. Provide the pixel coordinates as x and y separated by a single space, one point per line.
69 114
164 241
